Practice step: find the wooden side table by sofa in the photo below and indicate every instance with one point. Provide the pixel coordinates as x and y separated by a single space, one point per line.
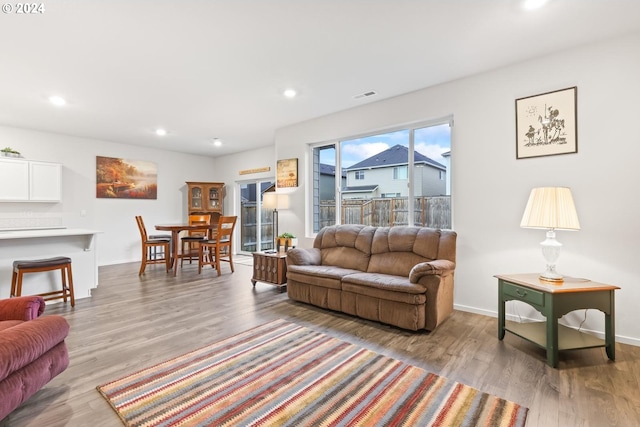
270 268
553 300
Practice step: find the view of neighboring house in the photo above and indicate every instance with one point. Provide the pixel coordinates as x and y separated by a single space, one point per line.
328 181
386 174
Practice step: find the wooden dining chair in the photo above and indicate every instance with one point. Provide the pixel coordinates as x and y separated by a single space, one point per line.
213 251
190 241
150 254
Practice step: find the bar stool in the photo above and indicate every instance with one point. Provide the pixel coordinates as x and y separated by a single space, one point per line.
39 265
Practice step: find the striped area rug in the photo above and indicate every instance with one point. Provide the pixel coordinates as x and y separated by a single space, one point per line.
283 374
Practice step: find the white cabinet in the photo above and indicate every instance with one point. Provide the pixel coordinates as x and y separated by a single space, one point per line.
14 180
30 181
45 183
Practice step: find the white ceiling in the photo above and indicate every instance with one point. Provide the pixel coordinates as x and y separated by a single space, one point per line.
217 68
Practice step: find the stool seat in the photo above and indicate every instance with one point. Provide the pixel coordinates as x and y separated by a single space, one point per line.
61 263
42 263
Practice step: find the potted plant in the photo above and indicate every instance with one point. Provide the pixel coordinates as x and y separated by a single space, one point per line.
9 152
287 240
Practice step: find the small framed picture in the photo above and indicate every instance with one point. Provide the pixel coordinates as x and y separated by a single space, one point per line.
287 173
547 124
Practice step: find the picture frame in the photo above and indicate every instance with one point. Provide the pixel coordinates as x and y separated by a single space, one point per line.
287 173
118 178
547 124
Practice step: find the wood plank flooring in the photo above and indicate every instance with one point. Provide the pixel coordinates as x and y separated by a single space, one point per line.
130 323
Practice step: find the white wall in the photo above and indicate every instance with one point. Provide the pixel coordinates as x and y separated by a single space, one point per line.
490 187
120 240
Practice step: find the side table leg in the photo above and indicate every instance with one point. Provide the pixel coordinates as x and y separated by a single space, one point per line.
552 334
610 328
501 310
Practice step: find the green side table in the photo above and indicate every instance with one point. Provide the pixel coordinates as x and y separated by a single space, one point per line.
553 300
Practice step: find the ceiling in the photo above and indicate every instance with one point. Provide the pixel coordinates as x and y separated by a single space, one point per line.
203 69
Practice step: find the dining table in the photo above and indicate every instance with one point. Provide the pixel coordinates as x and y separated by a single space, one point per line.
175 230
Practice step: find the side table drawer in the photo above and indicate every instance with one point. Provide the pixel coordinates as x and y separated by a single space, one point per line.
524 294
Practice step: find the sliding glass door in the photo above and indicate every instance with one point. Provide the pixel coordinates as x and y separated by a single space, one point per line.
256 221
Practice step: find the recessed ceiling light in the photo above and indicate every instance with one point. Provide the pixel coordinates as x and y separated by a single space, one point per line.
217 142
161 132
57 100
533 4
290 93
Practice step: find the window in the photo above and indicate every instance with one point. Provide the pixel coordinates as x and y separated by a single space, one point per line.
407 181
401 172
325 183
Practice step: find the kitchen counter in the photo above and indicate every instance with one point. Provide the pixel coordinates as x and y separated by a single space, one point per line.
76 243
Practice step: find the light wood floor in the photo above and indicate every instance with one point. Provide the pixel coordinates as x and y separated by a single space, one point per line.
130 323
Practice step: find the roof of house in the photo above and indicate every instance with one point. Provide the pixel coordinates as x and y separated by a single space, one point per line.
326 169
359 188
394 156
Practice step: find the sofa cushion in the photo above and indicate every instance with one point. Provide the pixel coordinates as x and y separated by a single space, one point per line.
318 275
346 246
385 286
395 250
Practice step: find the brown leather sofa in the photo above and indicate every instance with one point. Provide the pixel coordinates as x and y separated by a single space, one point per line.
402 276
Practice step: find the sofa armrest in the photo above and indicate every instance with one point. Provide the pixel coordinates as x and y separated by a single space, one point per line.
26 342
440 267
21 308
304 256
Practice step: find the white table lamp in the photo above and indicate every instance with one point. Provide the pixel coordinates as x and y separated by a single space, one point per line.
551 208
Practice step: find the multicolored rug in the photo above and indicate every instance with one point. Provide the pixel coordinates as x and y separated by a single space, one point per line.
284 374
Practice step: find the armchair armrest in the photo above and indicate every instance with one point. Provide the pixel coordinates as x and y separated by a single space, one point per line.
304 256
26 342
21 308
440 267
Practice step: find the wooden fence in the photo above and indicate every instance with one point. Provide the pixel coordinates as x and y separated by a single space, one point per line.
432 212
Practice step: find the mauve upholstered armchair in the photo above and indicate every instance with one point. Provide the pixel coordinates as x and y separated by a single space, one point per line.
32 349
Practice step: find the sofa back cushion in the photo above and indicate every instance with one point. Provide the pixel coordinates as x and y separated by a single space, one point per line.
346 246
395 250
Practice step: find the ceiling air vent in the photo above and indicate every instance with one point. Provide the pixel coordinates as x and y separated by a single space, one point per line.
366 94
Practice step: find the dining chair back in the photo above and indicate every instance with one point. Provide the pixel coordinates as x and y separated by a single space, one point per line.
214 251
190 241
150 253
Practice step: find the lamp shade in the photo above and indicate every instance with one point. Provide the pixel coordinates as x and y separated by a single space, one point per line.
550 208
273 200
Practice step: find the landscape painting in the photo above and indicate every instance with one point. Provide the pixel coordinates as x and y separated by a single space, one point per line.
126 179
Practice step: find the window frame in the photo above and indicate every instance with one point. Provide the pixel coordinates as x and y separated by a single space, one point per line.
412 127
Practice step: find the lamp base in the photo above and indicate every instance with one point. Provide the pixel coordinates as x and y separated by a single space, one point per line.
551 252
550 275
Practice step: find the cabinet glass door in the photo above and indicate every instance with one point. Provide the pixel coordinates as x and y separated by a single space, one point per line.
214 199
196 198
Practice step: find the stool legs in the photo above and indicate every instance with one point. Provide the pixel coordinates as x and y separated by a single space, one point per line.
67 283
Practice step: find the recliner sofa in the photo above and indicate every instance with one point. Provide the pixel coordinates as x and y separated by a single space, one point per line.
402 276
32 349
